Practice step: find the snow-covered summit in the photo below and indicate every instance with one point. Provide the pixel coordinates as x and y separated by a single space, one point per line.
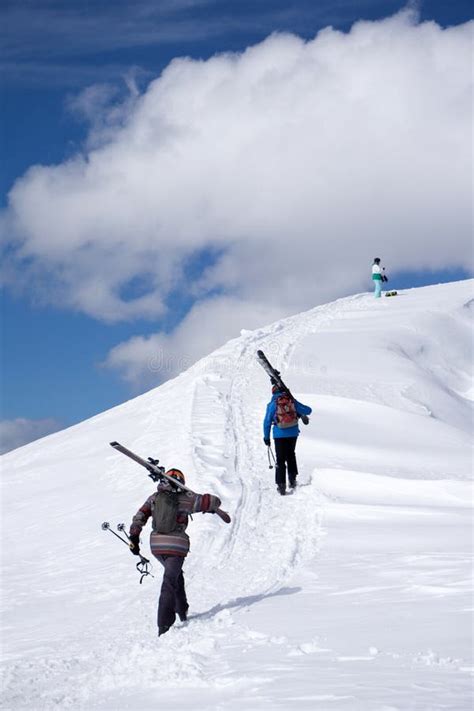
290 599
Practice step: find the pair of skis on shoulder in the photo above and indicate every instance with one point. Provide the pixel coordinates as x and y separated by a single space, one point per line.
275 378
157 473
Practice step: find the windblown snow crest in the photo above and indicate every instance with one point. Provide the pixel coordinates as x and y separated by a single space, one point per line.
390 384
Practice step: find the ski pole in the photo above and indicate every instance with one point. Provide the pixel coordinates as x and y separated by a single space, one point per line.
269 451
121 527
144 565
143 561
273 456
106 527
270 466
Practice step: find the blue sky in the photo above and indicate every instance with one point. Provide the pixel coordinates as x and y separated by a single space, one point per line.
65 356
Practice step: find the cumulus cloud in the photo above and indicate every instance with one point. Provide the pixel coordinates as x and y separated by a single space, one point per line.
16 433
105 107
292 164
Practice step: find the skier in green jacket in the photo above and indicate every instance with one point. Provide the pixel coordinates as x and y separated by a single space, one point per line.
378 277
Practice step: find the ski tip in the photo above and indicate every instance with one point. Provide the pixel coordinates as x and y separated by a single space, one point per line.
223 515
113 444
260 354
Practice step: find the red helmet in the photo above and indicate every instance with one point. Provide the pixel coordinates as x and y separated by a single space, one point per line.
176 474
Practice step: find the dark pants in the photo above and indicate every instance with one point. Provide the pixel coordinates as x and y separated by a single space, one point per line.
173 595
285 459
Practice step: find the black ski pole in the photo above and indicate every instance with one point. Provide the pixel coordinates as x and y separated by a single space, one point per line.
106 527
121 527
269 451
270 466
143 561
144 565
273 456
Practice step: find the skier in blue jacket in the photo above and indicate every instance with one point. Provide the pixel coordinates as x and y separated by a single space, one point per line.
283 412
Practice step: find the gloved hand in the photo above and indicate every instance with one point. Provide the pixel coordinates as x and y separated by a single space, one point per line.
134 545
266 441
211 503
215 503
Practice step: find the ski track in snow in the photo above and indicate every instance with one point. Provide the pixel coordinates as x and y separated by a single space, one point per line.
258 520
234 571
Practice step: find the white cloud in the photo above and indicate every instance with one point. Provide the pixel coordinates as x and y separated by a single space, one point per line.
16 433
147 361
105 107
293 163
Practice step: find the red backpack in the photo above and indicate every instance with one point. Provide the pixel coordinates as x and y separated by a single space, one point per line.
285 414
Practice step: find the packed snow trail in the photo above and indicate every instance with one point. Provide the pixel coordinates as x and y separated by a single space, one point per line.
380 524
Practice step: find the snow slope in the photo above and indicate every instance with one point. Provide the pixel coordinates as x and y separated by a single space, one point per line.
354 593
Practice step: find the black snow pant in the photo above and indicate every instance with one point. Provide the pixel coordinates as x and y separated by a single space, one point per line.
173 594
285 459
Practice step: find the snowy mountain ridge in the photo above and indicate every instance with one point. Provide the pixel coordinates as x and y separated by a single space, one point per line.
310 600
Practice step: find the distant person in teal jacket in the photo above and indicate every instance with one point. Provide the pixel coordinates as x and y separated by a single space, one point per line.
378 277
282 413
